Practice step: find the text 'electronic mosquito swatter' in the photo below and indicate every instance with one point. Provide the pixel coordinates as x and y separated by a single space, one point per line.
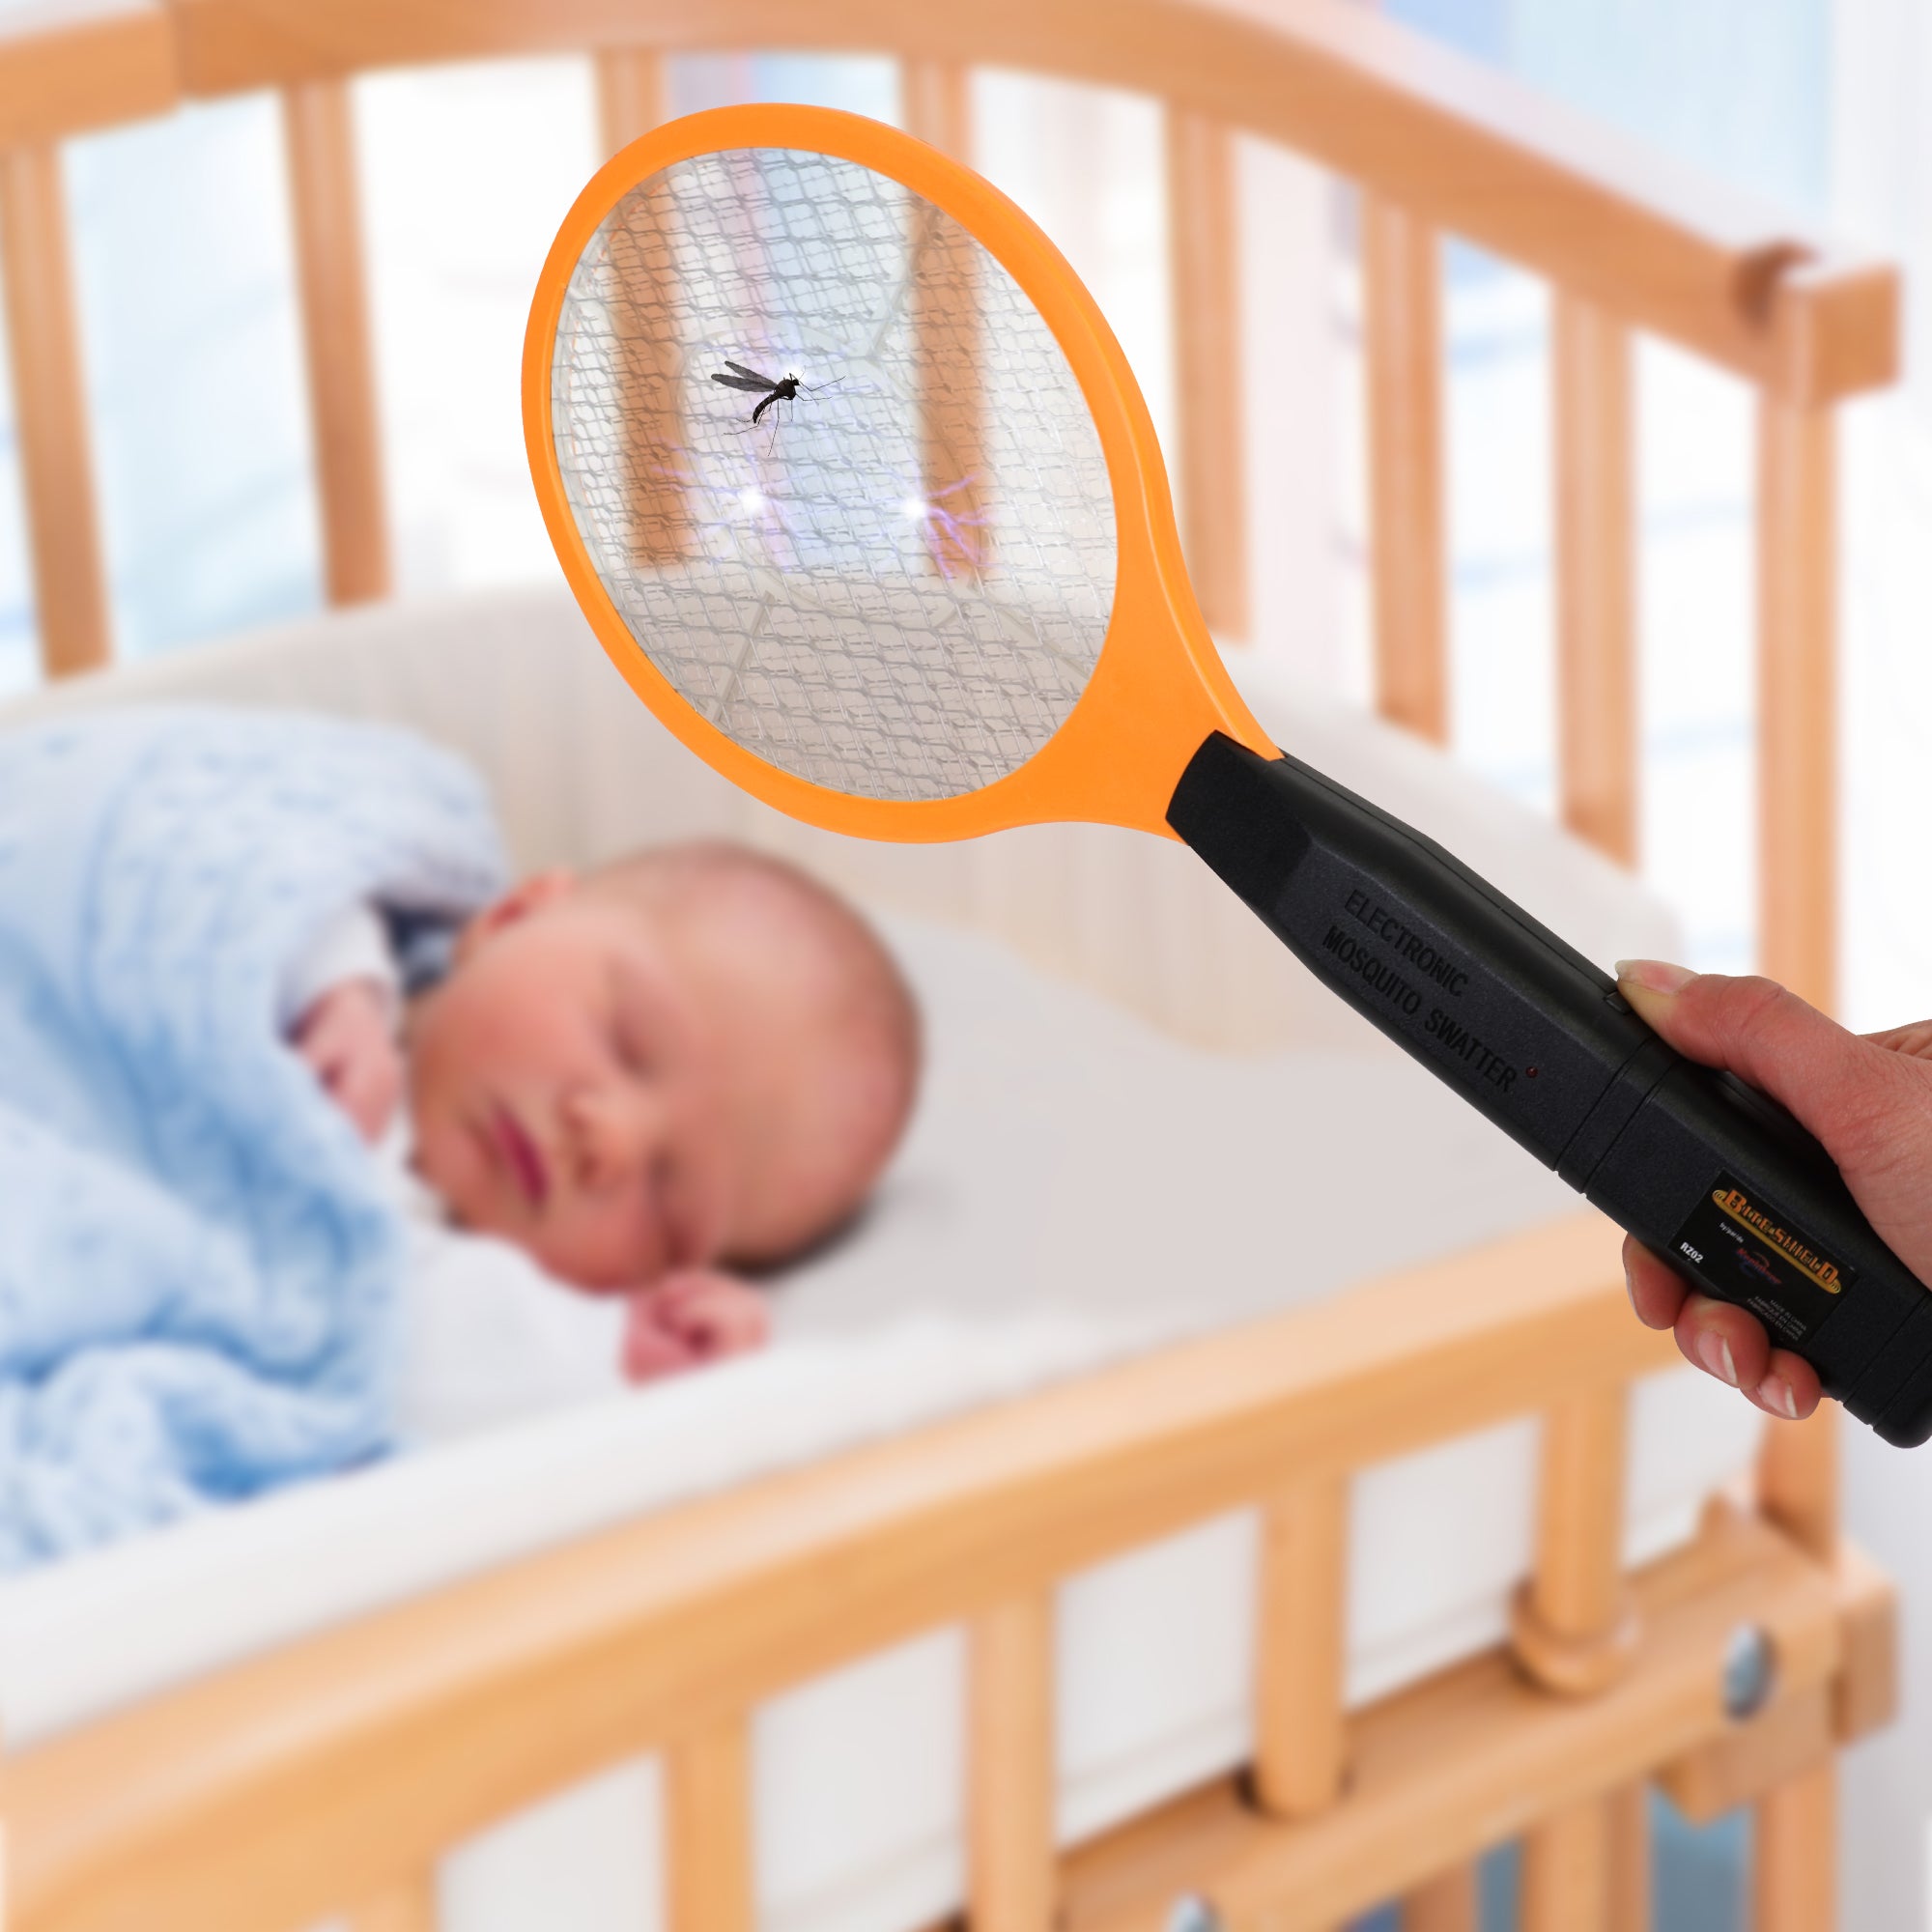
857 488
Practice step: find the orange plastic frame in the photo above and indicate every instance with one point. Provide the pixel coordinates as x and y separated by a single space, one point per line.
1158 687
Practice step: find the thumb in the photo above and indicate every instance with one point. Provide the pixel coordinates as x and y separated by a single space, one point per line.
1845 1089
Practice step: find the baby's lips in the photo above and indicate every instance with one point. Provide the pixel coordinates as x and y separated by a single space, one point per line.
519 1156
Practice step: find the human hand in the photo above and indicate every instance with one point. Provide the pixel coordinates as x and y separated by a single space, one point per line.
689 1320
348 1039
1867 1097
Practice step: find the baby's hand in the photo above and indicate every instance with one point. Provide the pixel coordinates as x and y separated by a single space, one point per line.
689 1320
348 1038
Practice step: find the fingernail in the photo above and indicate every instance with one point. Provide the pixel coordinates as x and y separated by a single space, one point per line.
1654 975
1716 1354
1783 1400
1630 1289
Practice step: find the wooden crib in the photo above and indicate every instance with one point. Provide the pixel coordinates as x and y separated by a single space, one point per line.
327 1777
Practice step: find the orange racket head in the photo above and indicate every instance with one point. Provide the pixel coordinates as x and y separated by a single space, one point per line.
855 486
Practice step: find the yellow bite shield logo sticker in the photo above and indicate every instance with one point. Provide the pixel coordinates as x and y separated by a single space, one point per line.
1749 1251
1781 1241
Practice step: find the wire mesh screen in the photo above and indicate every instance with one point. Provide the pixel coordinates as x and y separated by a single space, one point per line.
833 472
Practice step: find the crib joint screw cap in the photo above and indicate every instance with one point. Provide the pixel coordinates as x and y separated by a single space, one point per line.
1751 1671
1191 1912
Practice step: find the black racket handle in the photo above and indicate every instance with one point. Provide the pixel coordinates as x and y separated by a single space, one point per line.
1707 1172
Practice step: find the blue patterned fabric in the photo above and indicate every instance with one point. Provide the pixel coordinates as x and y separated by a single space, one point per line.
199 1263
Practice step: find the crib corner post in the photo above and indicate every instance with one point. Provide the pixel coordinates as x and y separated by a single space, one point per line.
1795 1823
1794 1843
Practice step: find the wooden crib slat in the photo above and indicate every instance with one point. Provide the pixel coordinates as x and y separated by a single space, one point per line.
1574 1631
51 406
1794 1853
1204 270
408 1907
1301 1649
938 107
1010 1767
936 100
1587 1869
707 1812
1436 1771
1796 575
1580 1533
633 94
1630 1860
1572 1627
1401 316
1565 1874
320 134
1596 577
1797 1480
1449 1902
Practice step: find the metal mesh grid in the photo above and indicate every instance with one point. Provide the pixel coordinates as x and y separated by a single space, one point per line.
897 581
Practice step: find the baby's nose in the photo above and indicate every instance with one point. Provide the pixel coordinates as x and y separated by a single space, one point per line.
613 1137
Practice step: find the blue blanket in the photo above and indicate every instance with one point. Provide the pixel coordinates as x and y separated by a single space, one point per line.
199 1263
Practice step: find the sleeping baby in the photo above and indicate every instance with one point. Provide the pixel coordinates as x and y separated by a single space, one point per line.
690 1061
694 1059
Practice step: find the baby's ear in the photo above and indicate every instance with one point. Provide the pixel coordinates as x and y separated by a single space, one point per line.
527 896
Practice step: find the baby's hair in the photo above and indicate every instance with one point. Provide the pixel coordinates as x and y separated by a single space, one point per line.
877 1004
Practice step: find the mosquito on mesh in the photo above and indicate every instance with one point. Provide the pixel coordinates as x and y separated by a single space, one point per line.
755 385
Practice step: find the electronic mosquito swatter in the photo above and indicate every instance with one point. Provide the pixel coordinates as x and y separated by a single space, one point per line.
857 488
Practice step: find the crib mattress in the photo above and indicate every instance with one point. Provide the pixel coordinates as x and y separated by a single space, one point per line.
1076 1188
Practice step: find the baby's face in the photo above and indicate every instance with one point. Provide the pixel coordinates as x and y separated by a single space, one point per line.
572 1092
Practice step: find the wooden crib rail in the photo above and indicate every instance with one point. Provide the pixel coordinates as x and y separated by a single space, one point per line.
1474 1756
61 74
341 1766
1464 149
334 1773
